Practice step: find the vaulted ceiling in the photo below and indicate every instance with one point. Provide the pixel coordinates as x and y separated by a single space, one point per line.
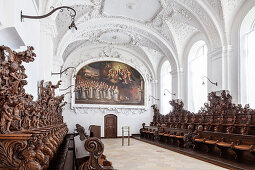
164 26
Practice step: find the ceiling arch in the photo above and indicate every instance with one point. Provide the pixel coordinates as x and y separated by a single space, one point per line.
164 25
139 35
106 52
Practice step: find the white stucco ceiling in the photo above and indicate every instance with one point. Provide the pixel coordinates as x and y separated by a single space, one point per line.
142 10
162 25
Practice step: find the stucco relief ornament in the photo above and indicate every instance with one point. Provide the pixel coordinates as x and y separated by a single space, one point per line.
108 110
149 77
118 111
109 52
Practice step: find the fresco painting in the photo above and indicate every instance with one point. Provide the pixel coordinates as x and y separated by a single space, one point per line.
109 83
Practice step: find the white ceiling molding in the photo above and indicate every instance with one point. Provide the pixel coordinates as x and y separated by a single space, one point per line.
110 51
141 10
91 31
204 19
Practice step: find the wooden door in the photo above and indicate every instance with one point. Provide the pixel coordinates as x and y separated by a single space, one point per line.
110 126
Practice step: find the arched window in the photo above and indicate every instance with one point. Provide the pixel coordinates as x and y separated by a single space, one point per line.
247 60
197 68
166 87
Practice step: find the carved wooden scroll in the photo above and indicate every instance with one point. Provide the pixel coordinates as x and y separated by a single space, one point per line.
96 148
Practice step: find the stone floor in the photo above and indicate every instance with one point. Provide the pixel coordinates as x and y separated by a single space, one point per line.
143 156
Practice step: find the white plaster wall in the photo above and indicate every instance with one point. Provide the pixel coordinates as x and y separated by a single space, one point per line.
132 116
87 117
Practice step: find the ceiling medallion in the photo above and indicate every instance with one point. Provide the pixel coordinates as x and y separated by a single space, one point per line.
115 37
131 5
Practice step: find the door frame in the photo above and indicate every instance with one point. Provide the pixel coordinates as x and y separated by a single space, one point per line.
105 124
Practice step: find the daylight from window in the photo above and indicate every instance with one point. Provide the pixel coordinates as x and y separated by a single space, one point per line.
197 68
166 87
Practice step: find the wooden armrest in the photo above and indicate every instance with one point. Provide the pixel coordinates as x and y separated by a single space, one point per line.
195 137
232 144
204 140
252 147
107 163
103 156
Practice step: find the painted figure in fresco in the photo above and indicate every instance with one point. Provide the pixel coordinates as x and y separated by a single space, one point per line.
90 92
87 90
139 93
109 93
77 93
116 94
83 93
97 93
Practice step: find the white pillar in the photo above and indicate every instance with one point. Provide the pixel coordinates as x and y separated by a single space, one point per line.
231 72
177 76
226 53
155 92
215 70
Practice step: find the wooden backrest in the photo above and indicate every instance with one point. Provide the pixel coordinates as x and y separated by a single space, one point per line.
218 115
176 131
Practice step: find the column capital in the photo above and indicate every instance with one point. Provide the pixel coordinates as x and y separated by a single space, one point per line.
155 81
176 71
227 48
215 52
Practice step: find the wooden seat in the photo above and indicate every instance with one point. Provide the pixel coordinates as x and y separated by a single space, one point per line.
242 147
212 142
200 140
179 137
224 144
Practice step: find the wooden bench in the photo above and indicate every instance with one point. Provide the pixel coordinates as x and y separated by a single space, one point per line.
149 132
173 135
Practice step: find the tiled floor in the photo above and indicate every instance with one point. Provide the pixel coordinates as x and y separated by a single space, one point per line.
144 156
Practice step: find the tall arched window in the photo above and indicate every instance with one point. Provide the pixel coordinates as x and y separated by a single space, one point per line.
197 68
166 87
247 60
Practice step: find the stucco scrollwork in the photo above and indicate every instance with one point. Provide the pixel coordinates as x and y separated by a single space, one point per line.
109 52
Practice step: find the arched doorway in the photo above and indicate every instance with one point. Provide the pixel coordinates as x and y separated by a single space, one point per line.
110 126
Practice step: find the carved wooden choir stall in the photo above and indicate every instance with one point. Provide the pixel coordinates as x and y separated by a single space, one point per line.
220 127
31 131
